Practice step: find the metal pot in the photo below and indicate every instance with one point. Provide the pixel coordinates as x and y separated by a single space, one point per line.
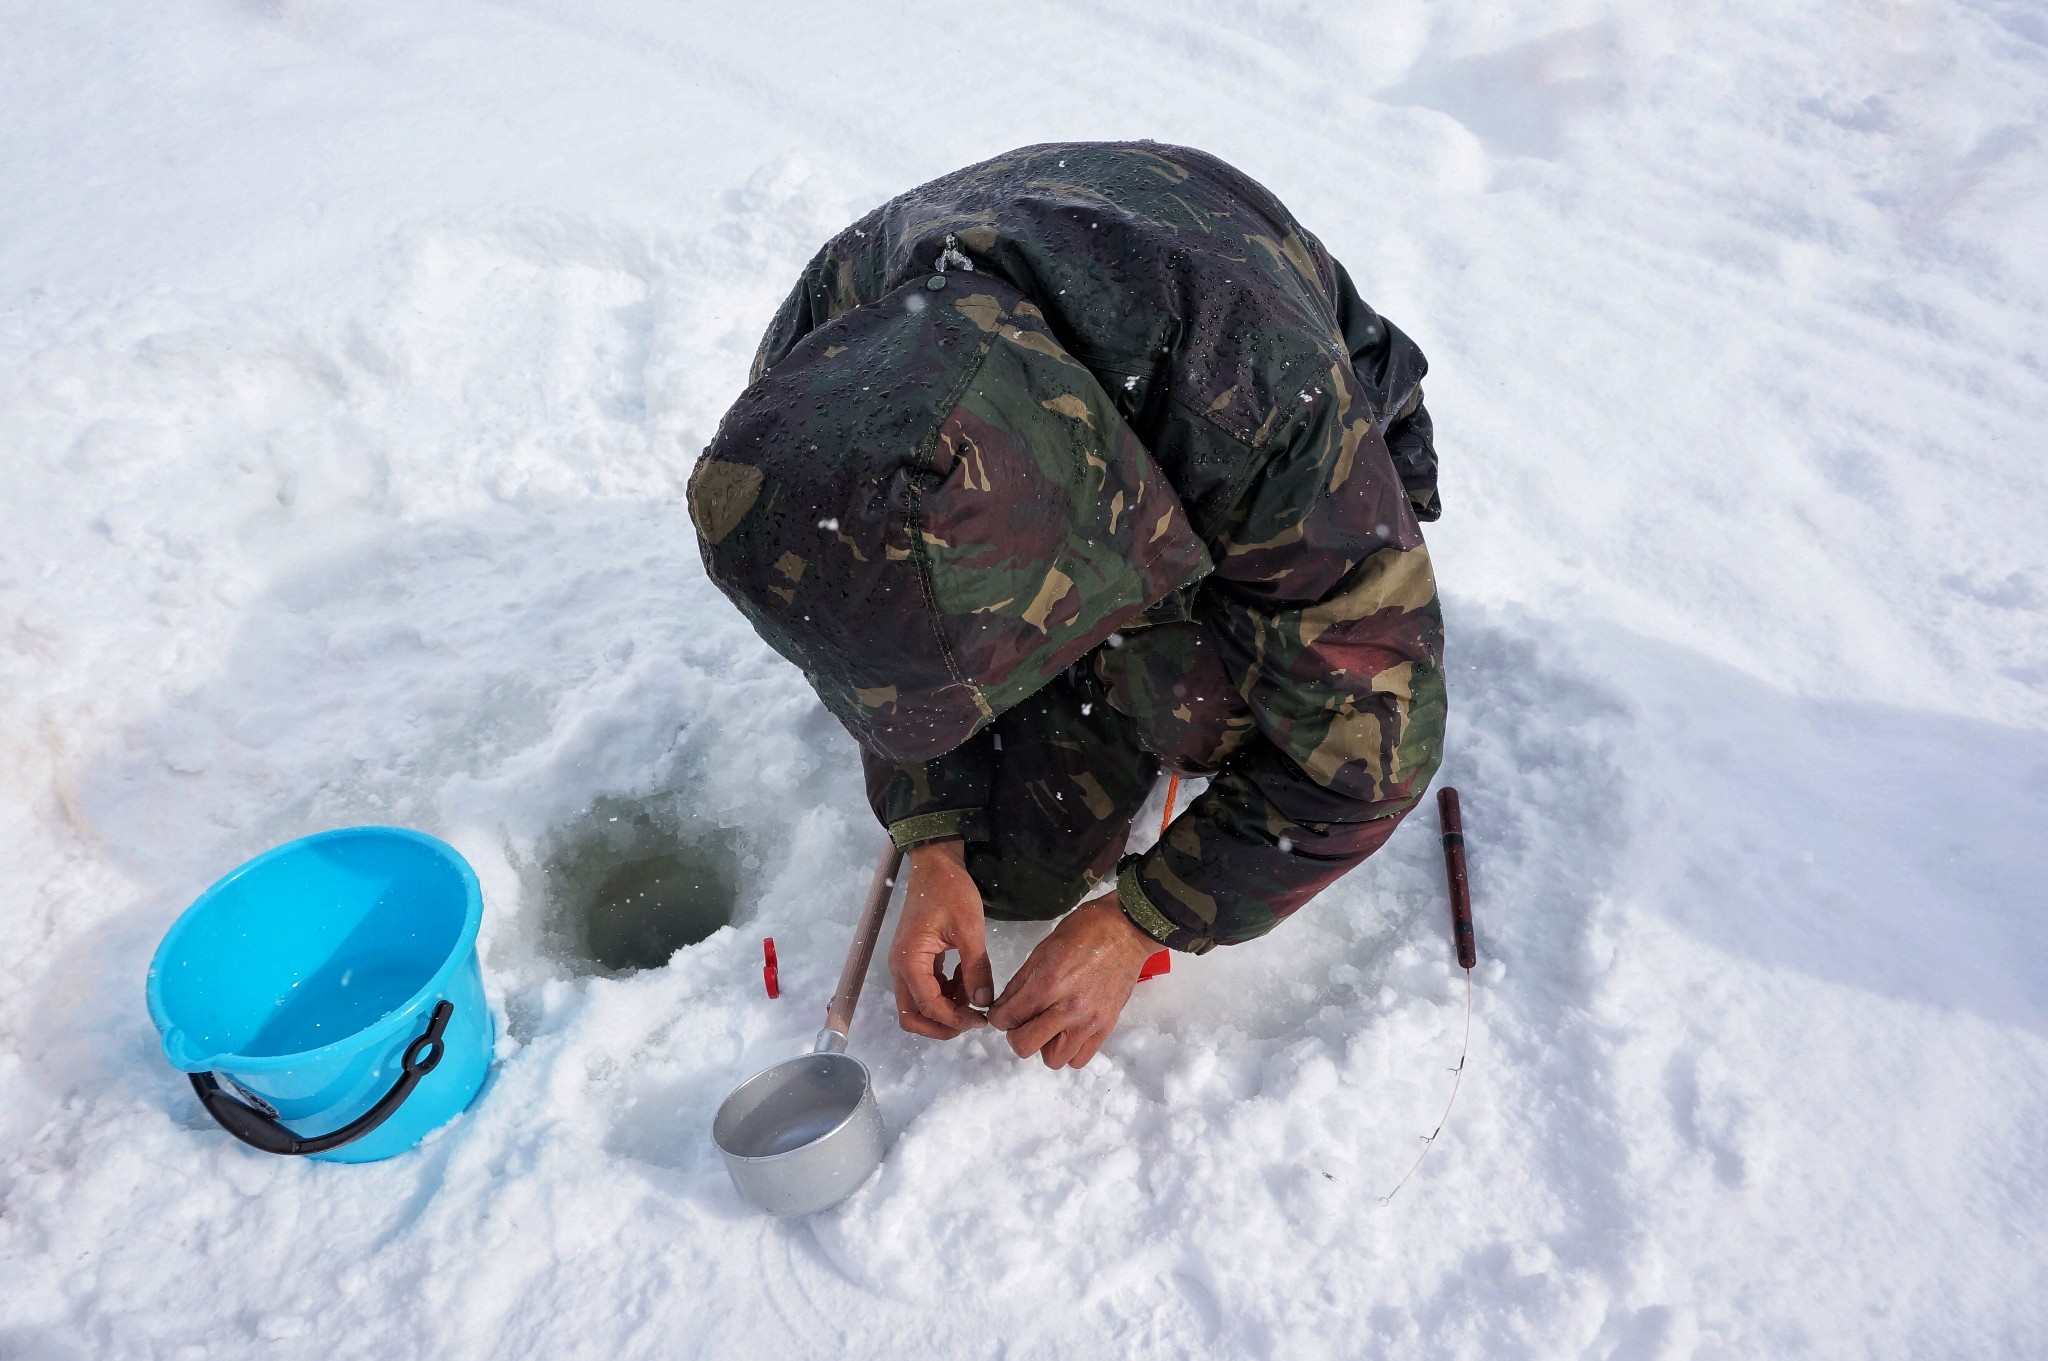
802 1136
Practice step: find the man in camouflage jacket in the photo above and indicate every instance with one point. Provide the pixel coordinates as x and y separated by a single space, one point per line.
1066 467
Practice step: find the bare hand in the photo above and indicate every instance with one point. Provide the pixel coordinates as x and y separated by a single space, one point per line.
1066 999
941 912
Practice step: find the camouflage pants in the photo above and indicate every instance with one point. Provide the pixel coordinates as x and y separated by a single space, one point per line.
1069 774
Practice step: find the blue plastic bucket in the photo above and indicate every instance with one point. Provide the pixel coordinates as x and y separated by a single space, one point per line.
334 983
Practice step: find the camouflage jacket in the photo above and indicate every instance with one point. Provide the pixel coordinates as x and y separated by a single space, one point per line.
1096 394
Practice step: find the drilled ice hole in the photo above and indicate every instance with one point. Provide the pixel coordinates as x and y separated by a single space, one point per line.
628 885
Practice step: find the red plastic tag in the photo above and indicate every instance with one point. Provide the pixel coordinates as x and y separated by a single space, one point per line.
1161 962
770 974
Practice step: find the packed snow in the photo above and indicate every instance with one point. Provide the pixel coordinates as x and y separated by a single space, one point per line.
352 357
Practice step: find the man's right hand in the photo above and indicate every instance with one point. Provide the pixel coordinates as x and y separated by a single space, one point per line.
941 912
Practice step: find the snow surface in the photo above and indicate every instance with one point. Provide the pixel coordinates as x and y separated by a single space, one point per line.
351 360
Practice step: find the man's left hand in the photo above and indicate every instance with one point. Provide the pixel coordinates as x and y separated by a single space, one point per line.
1066 999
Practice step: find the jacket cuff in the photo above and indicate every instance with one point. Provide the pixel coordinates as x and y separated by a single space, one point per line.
1146 916
970 824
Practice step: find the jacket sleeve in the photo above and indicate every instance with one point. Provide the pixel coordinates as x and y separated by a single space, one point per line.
1390 368
935 800
1324 608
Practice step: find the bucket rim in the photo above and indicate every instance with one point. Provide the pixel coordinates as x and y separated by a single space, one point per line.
399 1018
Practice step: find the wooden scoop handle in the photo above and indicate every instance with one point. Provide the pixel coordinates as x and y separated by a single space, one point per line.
839 1016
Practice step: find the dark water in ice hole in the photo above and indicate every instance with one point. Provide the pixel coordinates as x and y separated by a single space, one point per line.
627 887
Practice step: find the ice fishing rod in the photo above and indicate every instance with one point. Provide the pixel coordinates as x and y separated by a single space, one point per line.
1452 825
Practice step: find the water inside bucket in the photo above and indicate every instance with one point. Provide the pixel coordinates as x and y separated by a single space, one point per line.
348 995
298 951
628 887
289 978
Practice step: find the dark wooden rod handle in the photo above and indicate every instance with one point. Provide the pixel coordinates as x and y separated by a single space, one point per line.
1454 869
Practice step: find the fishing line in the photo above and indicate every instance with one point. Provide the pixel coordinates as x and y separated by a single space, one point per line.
1456 1082
1462 941
1453 826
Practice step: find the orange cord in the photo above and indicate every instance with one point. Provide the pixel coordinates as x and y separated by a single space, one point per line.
1162 960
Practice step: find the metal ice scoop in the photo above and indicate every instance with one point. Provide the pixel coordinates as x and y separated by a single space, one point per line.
802 1136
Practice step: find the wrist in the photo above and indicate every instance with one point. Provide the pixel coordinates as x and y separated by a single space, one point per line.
1129 942
951 852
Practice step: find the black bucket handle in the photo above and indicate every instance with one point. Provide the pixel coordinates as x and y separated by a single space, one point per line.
259 1128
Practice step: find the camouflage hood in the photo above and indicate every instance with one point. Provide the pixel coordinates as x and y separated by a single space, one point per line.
932 509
